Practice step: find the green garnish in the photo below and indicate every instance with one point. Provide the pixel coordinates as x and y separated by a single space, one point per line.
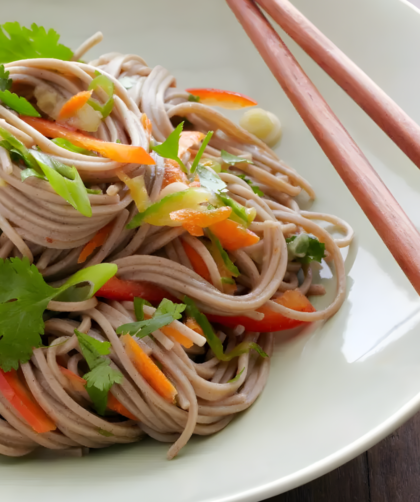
5 81
226 260
305 248
227 280
194 99
93 192
255 189
118 141
101 376
246 215
13 145
213 341
105 433
24 296
230 159
201 151
18 42
169 148
66 181
237 377
210 180
18 104
68 145
139 303
164 315
104 83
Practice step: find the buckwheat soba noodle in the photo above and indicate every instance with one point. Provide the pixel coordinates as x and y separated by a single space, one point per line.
129 208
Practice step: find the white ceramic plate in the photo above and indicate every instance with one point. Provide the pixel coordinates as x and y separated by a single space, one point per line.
333 391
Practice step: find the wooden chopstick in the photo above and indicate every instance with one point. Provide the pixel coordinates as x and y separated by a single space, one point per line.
370 97
383 211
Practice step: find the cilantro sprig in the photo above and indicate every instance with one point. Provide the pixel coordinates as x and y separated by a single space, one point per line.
24 296
230 159
305 248
255 189
169 148
17 103
212 339
166 312
101 376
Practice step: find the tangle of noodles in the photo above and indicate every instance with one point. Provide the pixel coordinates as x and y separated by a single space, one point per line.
39 224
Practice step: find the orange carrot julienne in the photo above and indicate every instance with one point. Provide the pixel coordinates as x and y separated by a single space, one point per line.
224 99
197 262
177 336
73 105
232 235
78 383
128 154
114 405
99 238
194 221
148 369
193 324
146 123
173 173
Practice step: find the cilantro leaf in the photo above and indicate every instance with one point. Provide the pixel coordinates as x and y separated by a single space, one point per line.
194 99
18 104
227 280
24 296
201 151
169 148
68 145
210 180
255 189
227 261
213 341
305 248
18 42
164 315
101 376
5 81
230 159
237 377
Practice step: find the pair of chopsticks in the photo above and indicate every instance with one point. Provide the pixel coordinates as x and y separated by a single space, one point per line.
386 215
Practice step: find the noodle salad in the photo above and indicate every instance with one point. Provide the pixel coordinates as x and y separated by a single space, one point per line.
150 248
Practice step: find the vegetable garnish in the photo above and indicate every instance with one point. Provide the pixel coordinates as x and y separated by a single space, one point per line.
25 43
14 146
227 261
138 190
197 262
164 315
194 221
212 339
210 180
246 215
128 154
21 399
194 99
5 81
169 148
237 377
114 405
68 145
121 290
189 139
255 189
101 376
305 248
139 303
224 99
173 173
201 151
233 236
107 86
148 369
12 100
21 322
230 159
272 321
158 214
98 240
73 105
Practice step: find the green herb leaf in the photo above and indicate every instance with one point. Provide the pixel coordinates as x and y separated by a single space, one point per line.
213 341
305 248
164 315
169 148
237 377
101 376
255 189
66 181
21 320
5 81
13 144
227 261
227 280
210 180
201 151
194 99
68 145
18 104
18 42
230 159
105 433
139 303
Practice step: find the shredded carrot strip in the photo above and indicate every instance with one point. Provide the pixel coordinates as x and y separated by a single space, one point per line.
173 173
114 405
193 324
232 235
197 262
98 240
73 105
194 221
177 336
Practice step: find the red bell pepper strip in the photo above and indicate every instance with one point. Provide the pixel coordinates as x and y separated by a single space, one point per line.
224 99
19 396
272 321
122 290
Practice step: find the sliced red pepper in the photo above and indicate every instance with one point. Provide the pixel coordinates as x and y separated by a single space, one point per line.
224 99
122 290
272 321
114 405
19 396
